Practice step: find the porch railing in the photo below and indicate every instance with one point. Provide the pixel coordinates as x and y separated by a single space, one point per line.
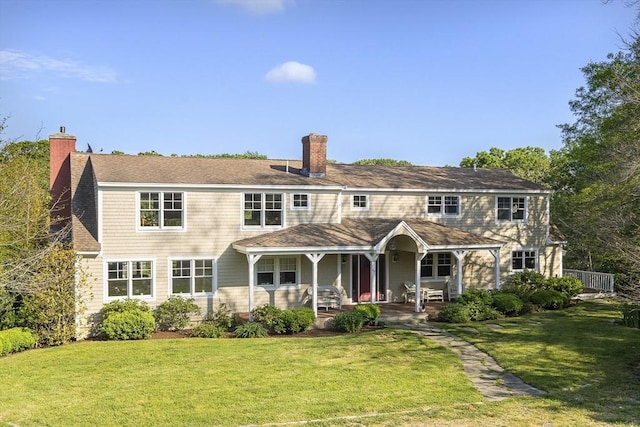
593 280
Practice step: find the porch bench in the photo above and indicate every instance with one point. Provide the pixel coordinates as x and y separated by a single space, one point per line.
329 297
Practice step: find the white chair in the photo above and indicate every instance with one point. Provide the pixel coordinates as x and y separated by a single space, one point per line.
410 291
452 289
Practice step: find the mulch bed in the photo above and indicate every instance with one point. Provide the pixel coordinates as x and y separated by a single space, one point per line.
311 333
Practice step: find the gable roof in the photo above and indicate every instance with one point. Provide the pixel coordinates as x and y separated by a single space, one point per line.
360 235
126 169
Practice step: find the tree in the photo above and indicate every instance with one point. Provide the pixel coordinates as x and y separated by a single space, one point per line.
596 175
531 163
382 162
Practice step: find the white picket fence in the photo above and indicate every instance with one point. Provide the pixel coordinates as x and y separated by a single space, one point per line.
602 282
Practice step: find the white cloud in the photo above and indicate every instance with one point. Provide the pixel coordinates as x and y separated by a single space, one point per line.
259 7
292 71
14 64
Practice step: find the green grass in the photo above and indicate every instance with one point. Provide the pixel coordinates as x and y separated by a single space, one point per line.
589 365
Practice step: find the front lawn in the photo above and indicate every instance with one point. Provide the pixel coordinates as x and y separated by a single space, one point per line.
588 364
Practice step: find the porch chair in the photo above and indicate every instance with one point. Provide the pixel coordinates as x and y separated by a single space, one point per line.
409 292
452 289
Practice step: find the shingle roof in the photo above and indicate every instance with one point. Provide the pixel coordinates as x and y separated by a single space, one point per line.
223 171
361 234
84 218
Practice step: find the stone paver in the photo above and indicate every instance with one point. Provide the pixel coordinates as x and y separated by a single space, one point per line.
493 382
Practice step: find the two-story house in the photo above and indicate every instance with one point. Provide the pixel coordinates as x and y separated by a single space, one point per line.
248 232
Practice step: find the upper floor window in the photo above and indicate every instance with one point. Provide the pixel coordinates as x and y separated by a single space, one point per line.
192 276
443 205
129 279
300 202
360 202
524 260
263 210
161 210
435 265
511 208
277 271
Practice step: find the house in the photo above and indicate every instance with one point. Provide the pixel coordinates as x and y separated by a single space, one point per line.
248 232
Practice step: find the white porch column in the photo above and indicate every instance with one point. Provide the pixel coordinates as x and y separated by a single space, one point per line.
314 258
496 256
252 259
417 298
373 272
459 256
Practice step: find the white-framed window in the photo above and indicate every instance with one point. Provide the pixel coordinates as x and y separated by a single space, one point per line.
277 271
300 202
263 210
160 210
435 265
511 209
443 205
192 276
130 279
524 259
360 202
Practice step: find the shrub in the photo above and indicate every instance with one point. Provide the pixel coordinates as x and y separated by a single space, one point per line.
454 313
549 299
208 330
268 316
507 304
120 306
479 296
371 312
16 339
524 284
128 325
251 330
631 315
222 317
295 320
50 309
569 286
7 309
173 314
479 312
352 321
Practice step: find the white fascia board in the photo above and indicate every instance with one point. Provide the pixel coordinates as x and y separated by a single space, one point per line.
350 190
302 249
466 247
402 225
305 188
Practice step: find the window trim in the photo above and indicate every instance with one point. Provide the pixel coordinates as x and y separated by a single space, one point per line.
536 253
511 220
300 208
129 262
367 201
263 210
435 256
276 273
443 205
192 293
161 209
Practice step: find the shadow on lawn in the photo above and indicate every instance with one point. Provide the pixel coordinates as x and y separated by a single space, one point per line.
580 355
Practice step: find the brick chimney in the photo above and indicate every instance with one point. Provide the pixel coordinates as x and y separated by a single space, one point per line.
314 155
61 144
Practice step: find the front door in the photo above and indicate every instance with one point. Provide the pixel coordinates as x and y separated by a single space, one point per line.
361 278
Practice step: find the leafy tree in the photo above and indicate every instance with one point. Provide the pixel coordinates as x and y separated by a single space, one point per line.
382 162
596 175
531 163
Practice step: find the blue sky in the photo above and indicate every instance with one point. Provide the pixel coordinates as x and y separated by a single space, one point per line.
425 81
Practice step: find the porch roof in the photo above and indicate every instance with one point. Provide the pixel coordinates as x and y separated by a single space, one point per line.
362 235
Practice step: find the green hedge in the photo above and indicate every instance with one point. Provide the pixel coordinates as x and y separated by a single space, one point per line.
127 319
371 312
15 340
351 321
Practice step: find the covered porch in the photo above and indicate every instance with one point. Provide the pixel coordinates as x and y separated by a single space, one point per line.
368 260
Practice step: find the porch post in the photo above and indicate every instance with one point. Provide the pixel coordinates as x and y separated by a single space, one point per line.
418 295
373 282
496 268
314 258
459 256
252 259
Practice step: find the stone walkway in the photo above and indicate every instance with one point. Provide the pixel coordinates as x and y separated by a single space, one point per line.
493 382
